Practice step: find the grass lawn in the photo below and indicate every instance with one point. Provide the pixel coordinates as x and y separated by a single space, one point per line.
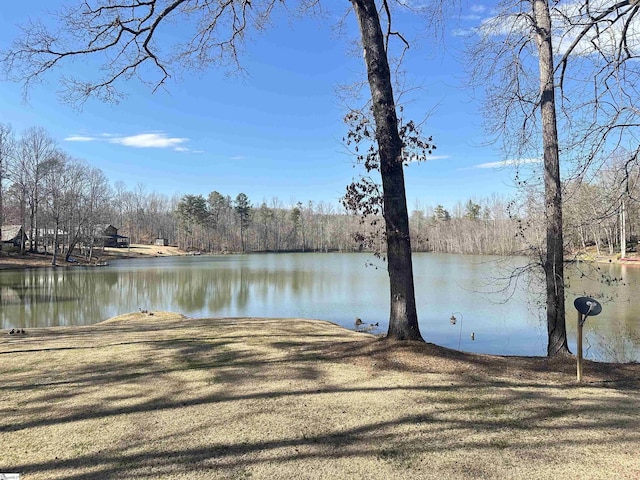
162 396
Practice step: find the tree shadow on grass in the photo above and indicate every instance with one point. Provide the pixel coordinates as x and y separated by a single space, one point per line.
404 441
472 405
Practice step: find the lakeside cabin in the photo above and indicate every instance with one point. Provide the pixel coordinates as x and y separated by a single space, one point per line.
110 237
12 235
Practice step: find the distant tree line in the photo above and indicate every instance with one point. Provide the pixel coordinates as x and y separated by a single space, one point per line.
220 223
60 201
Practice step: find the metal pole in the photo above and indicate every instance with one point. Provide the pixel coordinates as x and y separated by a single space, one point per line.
579 352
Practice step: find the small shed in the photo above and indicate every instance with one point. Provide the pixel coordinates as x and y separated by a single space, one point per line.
162 242
12 234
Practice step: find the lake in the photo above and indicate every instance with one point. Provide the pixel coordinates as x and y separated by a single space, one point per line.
339 288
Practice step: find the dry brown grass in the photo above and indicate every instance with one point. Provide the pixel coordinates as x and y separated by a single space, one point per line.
161 396
28 260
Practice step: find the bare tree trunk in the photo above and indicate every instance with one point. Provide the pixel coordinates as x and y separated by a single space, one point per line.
56 226
596 239
554 261
23 218
610 239
623 230
91 248
403 320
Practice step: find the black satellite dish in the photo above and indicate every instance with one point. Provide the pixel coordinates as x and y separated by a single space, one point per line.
587 306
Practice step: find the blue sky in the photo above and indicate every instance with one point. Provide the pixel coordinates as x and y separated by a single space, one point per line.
275 132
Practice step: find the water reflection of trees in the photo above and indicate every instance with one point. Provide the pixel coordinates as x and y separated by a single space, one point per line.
84 296
619 342
53 297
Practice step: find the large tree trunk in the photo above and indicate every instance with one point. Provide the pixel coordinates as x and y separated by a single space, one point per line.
554 261
403 319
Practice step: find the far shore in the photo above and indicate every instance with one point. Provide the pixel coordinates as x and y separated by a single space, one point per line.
32 260
102 256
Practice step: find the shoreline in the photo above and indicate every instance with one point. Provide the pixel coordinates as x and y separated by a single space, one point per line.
562 364
632 259
40 260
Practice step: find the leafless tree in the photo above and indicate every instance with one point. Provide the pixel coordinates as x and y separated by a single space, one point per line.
37 154
521 109
7 152
57 184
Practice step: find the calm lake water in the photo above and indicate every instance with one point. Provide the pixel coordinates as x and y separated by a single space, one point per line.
339 288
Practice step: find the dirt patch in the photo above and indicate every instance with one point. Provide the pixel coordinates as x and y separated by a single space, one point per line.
158 395
137 250
590 255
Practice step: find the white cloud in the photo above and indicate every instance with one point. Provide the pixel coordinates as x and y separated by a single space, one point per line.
508 163
463 32
473 14
79 138
149 140
238 157
141 140
504 25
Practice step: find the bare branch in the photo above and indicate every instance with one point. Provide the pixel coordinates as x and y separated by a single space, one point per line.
124 36
389 33
593 23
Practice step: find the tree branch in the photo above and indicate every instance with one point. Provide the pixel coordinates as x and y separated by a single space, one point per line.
125 33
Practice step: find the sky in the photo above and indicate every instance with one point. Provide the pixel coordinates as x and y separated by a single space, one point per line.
275 131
